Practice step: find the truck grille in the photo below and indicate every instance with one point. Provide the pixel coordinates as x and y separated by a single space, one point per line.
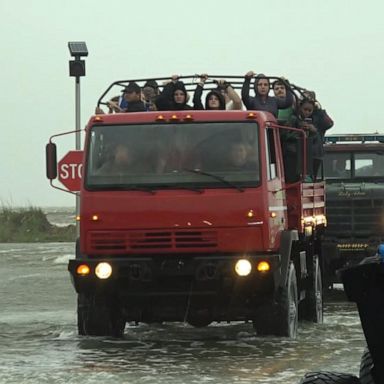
137 241
355 218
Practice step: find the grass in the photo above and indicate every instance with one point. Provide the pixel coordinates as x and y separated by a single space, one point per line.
26 225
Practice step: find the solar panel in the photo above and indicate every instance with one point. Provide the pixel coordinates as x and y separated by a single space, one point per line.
78 48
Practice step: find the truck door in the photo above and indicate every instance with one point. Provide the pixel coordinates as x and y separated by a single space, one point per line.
277 207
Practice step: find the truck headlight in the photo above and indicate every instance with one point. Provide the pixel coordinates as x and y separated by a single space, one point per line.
103 270
243 267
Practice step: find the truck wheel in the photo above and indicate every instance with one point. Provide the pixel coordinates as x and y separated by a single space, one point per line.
265 323
366 366
329 378
288 307
312 306
98 316
280 319
199 318
199 323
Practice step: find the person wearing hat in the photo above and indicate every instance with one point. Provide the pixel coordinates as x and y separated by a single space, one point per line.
132 94
129 101
174 96
262 101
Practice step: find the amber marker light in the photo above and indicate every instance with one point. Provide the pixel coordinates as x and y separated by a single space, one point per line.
251 115
95 218
188 118
273 215
160 118
243 267
103 270
250 213
77 218
263 266
83 270
174 117
98 119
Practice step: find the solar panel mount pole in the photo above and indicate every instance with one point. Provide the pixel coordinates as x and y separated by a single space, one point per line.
78 147
77 49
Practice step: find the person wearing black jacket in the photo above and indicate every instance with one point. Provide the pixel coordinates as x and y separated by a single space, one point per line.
132 101
315 122
262 101
173 97
133 96
213 101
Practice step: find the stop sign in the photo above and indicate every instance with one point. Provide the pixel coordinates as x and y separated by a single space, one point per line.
70 170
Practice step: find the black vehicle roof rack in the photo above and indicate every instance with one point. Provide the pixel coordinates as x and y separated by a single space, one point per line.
190 82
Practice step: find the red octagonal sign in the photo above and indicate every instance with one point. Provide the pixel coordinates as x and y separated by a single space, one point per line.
70 170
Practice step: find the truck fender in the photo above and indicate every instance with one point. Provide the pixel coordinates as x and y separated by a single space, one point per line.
286 240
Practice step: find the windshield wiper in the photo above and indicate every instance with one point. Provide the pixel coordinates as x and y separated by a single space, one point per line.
177 186
142 189
217 177
125 188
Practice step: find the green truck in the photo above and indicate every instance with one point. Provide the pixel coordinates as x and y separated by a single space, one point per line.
354 173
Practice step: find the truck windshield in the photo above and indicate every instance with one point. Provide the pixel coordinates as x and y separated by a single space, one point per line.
347 165
180 155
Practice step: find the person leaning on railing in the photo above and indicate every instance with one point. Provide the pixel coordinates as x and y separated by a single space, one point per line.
132 98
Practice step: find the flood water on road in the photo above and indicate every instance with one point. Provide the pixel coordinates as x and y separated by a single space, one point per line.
39 341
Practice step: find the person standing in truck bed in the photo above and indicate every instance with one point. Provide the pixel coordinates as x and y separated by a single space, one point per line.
132 101
262 101
173 97
221 98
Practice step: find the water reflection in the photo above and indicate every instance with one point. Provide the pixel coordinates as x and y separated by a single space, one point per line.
39 341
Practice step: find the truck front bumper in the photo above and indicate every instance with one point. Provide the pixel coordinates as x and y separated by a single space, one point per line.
175 276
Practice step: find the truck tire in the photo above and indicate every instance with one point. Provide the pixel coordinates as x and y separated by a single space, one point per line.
199 323
329 378
366 366
288 306
281 319
199 319
98 316
311 309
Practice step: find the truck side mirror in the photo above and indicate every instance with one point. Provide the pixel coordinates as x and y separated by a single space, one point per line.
51 160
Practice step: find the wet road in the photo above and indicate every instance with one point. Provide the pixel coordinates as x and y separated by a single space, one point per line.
39 341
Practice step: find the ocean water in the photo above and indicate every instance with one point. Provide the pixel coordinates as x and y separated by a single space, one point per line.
39 341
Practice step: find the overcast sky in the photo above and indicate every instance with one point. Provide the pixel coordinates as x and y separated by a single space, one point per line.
335 47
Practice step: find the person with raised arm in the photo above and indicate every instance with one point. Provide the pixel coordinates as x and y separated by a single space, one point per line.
174 96
262 101
214 99
223 97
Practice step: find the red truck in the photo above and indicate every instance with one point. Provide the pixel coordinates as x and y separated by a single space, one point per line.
186 216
